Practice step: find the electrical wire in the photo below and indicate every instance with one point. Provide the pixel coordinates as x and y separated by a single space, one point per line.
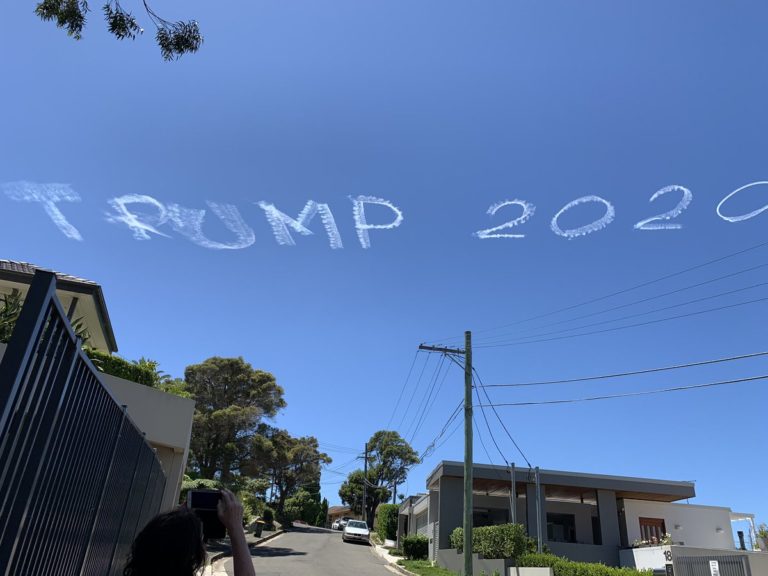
482 443
633 373
618 292
431 446
402 390
632 394
488 425
635 302
638 324
413 394
639 314
498 417
422 411
434 399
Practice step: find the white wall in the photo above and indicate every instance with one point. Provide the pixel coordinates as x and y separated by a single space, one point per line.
167 421
650 558
698 525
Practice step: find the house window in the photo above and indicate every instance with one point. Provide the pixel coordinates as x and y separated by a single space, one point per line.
652 529
561 527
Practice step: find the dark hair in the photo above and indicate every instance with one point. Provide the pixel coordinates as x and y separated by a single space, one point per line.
171 544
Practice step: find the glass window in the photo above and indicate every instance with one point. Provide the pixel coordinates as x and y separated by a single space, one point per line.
652 529
561 527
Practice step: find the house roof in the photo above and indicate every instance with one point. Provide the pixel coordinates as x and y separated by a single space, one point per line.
85 297
488 477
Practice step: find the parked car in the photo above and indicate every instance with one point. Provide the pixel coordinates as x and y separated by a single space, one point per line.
356 531
343 522
336 525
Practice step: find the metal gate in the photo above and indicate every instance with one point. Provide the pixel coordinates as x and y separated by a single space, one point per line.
77 478
730 565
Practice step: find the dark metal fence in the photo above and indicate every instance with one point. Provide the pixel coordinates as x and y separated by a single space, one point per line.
730 565
77 478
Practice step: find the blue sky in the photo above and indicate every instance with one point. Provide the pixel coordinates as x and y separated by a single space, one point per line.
443 110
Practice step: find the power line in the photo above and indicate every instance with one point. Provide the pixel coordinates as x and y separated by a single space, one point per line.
633 373
434 399
482 443
690 314
431 446
639 314
498 417
619 292
488 425
413 394
422 412
402 390
641 301
632 394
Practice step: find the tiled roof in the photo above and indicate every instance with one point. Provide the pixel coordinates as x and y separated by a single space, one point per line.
27 268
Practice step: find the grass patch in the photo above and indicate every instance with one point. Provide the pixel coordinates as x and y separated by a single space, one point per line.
375 538
395 551
424 568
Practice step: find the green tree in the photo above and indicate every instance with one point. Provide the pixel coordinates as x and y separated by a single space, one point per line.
10 308
389 459
173 38
302 506
291 463
351 493
322 515
231 398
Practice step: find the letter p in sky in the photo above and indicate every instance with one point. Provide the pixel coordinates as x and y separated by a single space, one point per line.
361 224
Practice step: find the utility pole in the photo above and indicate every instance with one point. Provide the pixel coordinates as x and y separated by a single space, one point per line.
365 484
468 477
512 494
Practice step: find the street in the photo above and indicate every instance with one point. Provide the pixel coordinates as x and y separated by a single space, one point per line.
311 552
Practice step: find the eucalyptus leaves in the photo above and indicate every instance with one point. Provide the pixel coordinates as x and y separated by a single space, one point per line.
174 38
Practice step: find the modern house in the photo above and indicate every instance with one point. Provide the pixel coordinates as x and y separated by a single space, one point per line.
165 419
616 520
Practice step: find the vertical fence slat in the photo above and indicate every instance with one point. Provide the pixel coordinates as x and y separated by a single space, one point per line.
77 478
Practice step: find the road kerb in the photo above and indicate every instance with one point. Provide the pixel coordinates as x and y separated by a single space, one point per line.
224 553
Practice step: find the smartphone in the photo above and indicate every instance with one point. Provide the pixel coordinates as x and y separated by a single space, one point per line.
204 503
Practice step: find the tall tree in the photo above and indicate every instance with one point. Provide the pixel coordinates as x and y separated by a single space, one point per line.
291 463
173 38
231 399
389 459
351 493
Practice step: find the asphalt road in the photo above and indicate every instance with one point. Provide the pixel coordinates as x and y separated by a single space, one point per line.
312 552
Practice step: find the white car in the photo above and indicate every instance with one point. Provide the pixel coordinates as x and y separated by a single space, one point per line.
336 525
356 531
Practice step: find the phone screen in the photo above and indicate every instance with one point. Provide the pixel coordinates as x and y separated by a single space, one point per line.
204 499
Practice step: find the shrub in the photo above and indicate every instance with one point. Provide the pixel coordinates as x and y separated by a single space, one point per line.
503 541
565 567
116 366
416 547
268 516
457 539
386 521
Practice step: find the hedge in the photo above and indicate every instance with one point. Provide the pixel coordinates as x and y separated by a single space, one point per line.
386 521
565 567
502 541
121 368
416 547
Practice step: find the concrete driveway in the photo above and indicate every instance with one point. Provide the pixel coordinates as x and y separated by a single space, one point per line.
310 552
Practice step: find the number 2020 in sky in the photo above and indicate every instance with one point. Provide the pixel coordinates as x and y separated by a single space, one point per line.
662 221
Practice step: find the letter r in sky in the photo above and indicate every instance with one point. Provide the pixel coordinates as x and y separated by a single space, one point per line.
140 224
48 195
358 211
